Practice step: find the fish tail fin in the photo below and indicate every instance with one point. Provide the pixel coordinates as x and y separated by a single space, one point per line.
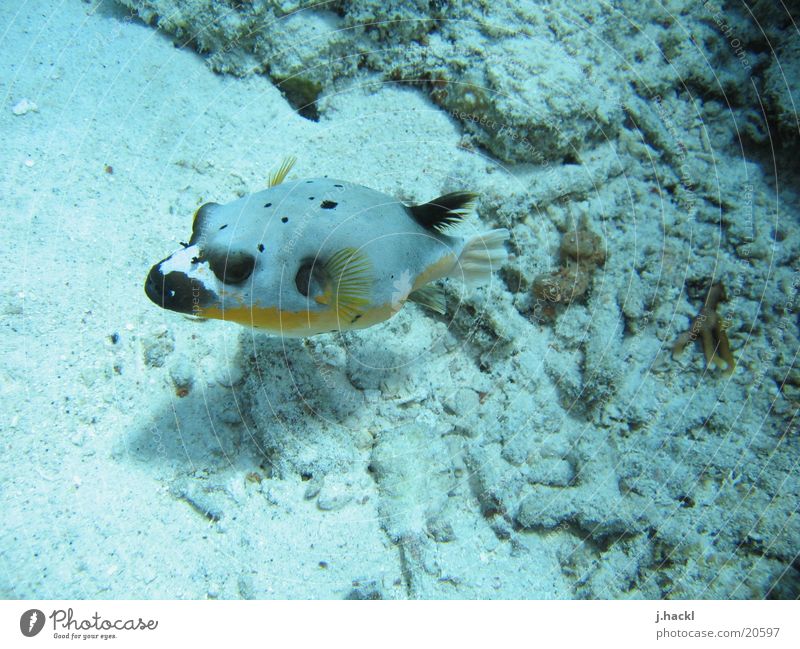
482 255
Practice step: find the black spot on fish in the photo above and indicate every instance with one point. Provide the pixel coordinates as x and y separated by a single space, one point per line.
260 247
284 219
309 181
222 227
195 260
267 204
339 186
311 198
328 205
184 244
356 318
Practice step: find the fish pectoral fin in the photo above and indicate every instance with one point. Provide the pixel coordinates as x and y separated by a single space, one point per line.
350 274
430 296
444 212
277 177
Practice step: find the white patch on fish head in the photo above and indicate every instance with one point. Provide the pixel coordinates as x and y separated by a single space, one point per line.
187 261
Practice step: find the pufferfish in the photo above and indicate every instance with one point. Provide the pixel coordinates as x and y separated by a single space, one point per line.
312 256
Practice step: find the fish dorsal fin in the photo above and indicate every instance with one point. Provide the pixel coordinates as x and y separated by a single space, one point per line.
430 296
277 177
444 212
350 274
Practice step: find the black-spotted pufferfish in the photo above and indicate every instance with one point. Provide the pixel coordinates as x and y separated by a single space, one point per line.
312 256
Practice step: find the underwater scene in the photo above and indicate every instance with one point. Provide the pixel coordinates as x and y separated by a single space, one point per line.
361 299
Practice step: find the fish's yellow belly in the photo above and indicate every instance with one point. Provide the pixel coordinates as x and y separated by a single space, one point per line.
300 323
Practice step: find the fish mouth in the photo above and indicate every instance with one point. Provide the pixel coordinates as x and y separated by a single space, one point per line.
177 291
154 286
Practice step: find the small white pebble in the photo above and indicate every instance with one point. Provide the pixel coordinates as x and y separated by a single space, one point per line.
129 326
29 163
24 106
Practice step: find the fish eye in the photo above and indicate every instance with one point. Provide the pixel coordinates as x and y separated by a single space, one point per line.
309 279
233 268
